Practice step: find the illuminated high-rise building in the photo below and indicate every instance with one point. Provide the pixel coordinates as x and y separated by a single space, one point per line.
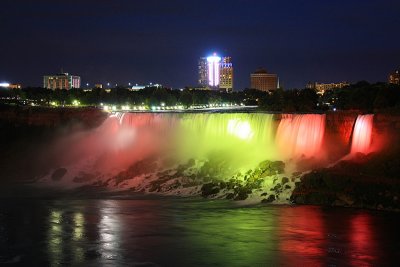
203 71
61 81
213 70
226 74
216 72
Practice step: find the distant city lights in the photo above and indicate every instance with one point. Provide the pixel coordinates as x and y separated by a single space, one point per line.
4 85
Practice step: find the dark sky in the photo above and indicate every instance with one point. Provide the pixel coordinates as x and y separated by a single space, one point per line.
123 41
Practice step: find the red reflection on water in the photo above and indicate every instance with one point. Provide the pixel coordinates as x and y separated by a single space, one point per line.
300 135
302 236
362 134
362 241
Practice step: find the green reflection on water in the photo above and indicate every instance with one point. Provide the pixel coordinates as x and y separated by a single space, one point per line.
237 236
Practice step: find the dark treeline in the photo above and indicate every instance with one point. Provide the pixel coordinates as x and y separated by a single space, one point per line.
360 96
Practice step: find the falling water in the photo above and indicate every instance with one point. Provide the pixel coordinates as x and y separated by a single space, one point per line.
128 145
242 139
362 134
300 135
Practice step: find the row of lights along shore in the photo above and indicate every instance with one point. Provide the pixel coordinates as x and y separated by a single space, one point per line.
112 108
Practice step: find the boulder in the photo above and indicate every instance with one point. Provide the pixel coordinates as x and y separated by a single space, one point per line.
58 174
269 199
285 180
209 189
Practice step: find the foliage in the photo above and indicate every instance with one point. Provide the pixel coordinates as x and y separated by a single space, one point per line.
360 96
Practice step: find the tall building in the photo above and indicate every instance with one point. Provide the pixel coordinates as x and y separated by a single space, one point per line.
216 72
203 71
61 81
226 74
394 77
264 81
213 65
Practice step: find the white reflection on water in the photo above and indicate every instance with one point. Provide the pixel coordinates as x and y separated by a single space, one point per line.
55 238
78 231
109 230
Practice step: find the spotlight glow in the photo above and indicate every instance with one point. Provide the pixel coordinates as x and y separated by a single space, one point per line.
241 129
213 69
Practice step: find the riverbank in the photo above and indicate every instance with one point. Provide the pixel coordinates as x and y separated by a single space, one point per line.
365 181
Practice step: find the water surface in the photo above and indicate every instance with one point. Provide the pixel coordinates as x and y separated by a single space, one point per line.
192 232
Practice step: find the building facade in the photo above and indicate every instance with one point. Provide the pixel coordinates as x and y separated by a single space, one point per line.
203 71
394 77
61 81
264 81
226 74
215 72
322 87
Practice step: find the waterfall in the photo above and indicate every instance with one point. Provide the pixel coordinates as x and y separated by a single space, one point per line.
362 134
164 152
243 138
300 135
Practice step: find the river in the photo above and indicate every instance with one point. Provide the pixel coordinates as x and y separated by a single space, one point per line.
191 232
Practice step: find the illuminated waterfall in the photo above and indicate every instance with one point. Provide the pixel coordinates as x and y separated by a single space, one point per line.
300 135
201 145
240 137
362 134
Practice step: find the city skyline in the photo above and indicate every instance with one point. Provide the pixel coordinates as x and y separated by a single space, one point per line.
160 42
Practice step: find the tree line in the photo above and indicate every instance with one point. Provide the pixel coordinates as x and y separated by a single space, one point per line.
360 96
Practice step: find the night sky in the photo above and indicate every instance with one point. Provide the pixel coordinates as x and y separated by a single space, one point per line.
121 41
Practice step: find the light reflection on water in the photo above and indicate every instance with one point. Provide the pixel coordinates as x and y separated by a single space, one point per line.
167 232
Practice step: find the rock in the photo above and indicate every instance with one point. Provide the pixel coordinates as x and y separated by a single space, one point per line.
298 199
269 168
277 187
242 195
58 174
347 199
278 166
296 174
230 196
209 189
269 199
83 177
339 203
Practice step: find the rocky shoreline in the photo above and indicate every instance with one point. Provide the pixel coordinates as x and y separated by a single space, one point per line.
366 181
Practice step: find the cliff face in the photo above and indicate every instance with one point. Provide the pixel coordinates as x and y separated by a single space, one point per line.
386 132
51 117
362 181
26 133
